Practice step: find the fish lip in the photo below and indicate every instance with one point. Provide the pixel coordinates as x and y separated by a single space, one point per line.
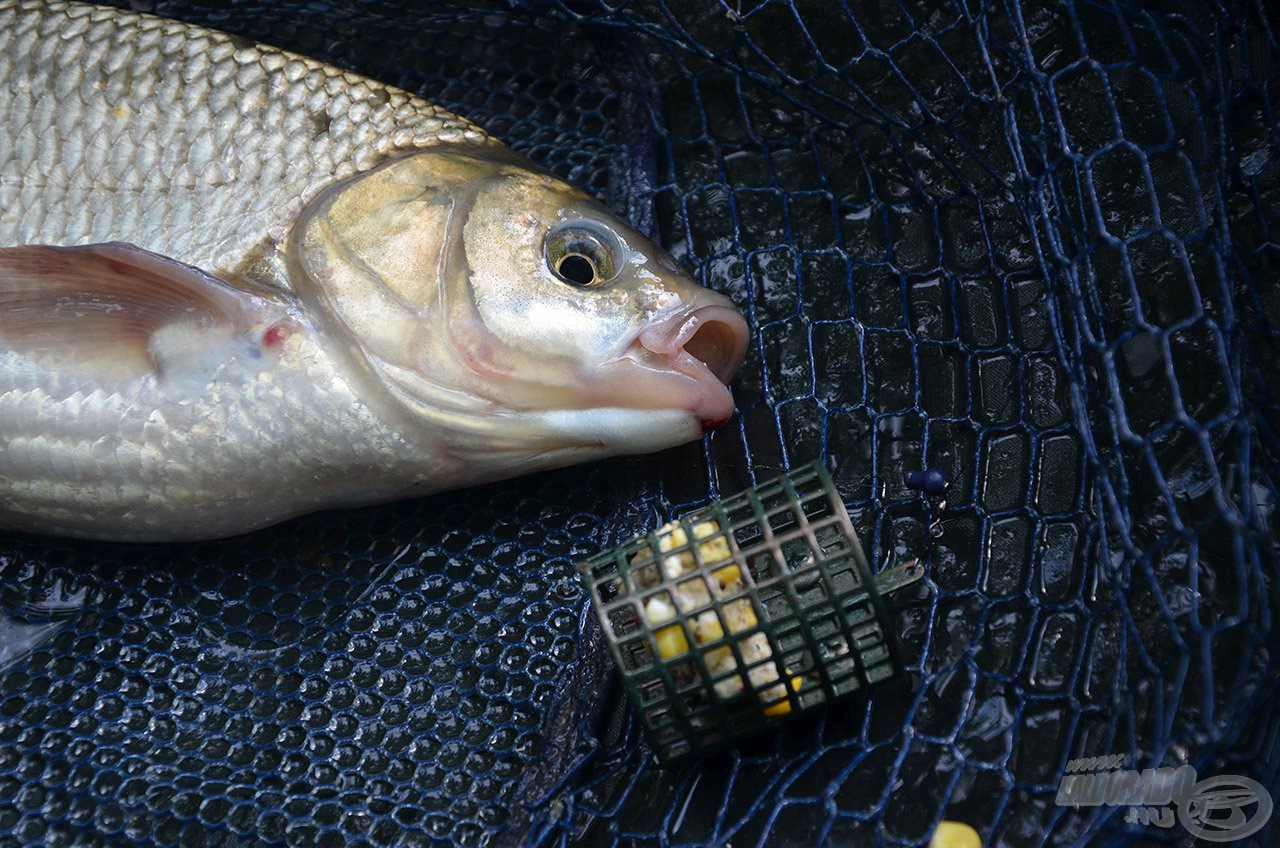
665 340
668 337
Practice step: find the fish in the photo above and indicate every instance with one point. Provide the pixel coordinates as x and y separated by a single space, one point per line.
238 285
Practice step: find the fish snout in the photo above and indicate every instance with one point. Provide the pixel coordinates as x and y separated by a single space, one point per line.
685 360
709 338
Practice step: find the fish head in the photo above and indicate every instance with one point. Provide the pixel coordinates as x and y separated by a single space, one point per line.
595 314
513 312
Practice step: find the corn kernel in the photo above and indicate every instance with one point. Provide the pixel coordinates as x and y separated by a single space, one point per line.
739 615
764 674
778 708
783 706
706 627
671 536
716 548
692 593
729 687
718 659
671 641
658 609
728 576
952 834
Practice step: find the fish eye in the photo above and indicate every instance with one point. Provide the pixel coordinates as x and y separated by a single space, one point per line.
581 255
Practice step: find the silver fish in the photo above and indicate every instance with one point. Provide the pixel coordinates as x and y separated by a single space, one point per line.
238 285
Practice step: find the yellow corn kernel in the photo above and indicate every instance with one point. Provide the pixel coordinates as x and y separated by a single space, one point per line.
677 564
729 687
783 706
728 575
671 536
718 659
778 708
706 627
692 594
952 834
671 641
658 610
739 615
717 550
714 549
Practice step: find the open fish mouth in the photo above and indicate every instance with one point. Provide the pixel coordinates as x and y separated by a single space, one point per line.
687 360
709 339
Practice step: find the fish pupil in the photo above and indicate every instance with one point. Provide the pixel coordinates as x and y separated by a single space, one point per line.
577 269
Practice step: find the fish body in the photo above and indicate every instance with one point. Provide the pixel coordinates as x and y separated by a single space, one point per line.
238 285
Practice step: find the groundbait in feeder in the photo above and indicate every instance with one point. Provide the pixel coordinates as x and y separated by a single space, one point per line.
744 613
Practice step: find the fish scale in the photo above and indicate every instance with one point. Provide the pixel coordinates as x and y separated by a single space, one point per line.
206 164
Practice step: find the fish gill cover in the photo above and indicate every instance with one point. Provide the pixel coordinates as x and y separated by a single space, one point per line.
1031 244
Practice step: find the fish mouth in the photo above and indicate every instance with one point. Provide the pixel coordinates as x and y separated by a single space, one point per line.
687 359
711 339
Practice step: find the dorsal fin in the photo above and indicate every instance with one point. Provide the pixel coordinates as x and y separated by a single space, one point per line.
95 310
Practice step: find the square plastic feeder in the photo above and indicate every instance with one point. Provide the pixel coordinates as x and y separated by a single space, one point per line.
744 613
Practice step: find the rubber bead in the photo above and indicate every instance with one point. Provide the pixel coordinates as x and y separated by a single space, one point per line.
931 481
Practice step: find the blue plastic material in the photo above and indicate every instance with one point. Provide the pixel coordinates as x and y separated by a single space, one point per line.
931 481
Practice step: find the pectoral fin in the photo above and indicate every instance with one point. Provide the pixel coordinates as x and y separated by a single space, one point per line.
97 311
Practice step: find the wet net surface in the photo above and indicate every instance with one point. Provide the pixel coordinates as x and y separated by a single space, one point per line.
1030 244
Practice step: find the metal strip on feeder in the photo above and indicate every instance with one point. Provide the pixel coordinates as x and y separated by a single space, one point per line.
743 613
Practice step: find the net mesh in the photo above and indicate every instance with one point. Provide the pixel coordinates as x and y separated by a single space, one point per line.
1028 243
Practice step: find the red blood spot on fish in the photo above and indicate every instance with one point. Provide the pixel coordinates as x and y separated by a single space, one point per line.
276 334
708 425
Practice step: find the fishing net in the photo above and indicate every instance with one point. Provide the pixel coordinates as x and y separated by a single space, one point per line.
1030 244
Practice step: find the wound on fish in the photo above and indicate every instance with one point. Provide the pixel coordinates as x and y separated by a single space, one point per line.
276 334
